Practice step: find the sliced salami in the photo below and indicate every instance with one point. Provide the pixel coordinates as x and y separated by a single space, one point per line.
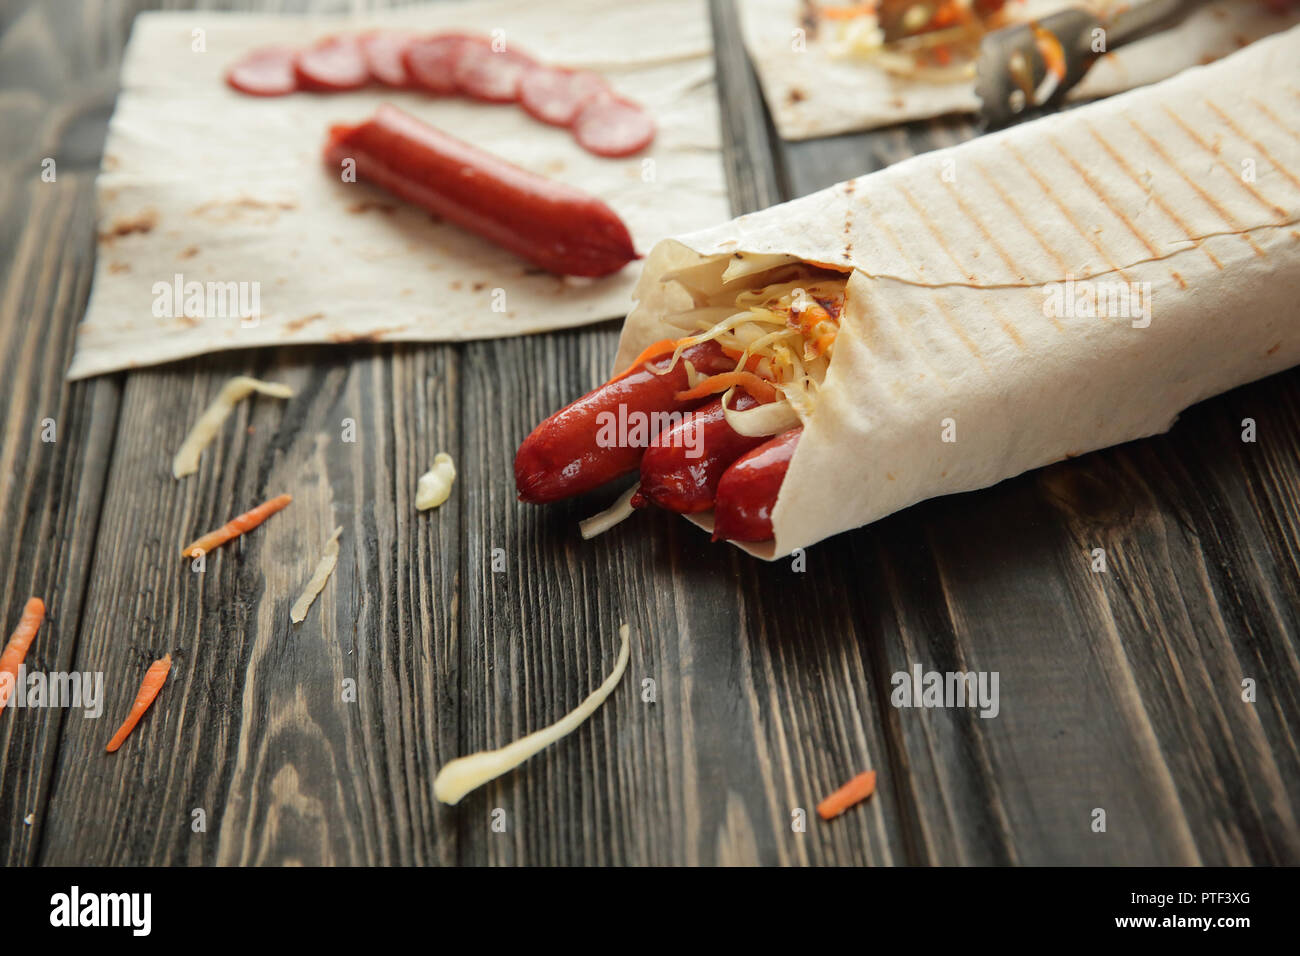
554 95
383 52
612 126
334 65
487 74
265 72
431 61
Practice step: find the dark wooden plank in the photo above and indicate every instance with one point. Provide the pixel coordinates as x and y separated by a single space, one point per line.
811 165
49 490
754 174
252 727
763 701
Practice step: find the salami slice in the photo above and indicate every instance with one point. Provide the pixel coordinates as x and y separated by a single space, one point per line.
612 126
487 74
334 65
383 51
555 95
265 72
431 61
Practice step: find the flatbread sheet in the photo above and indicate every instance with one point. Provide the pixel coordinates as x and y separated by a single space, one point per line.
201 184
811 92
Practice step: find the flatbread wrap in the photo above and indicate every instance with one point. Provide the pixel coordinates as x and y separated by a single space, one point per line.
1032 295
832 66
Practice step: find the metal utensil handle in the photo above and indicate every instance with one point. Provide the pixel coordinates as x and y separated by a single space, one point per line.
1143 19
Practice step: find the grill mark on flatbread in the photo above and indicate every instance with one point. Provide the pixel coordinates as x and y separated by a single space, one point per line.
934 231
883 226
1026 224
1092 240
1233 174
1192 244
1009 329
955 325
1014 269
1209 200
1266 154
1119 161
1274 118
930 227
298 324
1105 200
917 347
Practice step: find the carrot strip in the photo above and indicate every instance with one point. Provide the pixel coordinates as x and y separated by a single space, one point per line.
949 14
154 678
16 650
651 351
751 363
823 343
809 317
236 526
855 791
850 12
760 389
1053 55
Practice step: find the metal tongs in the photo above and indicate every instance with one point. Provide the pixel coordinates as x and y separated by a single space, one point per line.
1034 64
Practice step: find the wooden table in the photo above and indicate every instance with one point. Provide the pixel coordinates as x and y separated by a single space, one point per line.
1119 690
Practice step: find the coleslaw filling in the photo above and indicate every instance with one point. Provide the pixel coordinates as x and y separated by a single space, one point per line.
929 40
777 317
781 335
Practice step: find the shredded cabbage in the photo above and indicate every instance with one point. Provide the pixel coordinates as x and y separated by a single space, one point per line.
914 54
602 521
783 332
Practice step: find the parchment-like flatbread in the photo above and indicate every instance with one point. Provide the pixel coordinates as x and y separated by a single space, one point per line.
811 92
201 184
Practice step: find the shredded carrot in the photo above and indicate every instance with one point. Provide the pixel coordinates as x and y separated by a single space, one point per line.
154 678
237 526
853 792
824 342
807 318
1050 49
949 14
942 55
751 363
849 12
760 389
652 351
16 650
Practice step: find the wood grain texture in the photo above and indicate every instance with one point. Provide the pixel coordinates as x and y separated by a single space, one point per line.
254 727
55 91
473 624
49 490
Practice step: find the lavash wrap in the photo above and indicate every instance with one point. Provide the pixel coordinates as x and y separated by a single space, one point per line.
945 316
203 184
812 91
